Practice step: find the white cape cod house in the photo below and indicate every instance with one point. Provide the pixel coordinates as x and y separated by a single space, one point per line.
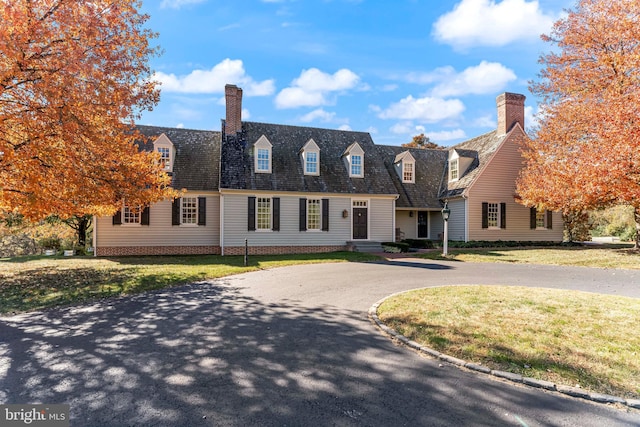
289 189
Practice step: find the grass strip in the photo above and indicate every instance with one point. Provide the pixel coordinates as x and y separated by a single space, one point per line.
614 257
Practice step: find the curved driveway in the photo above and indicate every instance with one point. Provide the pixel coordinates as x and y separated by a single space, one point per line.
290 346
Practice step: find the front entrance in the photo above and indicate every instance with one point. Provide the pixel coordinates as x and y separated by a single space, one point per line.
360 220
423 225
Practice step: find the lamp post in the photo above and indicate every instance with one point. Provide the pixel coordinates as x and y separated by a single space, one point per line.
445 216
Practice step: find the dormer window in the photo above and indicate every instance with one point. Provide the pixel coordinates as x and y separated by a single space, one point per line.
453 170
166 149
405 165
262 150
407 172
354 156
311 158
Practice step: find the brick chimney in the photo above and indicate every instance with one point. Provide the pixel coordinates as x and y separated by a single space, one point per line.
233 99
510 111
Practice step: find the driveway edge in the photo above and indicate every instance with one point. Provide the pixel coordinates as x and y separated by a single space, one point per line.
509 376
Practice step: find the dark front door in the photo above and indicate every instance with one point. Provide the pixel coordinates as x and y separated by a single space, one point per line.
423 225
360 223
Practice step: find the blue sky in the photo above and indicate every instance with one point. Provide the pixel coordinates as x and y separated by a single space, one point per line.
394 68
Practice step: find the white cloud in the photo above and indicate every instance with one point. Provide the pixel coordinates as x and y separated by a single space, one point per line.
492 23
345 127
246 115
314 88
487 77
446 135
487 121
372 130
319 114
531 117
180 126
177 4
402 128
213 80
427 109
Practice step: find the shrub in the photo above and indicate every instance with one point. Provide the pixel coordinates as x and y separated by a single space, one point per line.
404 247
419 243
50 243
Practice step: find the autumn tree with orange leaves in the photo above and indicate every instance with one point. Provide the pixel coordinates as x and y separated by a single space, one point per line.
74 75
421 141
586 152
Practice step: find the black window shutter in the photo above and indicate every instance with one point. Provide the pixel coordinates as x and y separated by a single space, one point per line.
549 220
303 214
503 215
117 218
485 215
202 211
144 216
276 213
251 217
532 218
175 211
325 214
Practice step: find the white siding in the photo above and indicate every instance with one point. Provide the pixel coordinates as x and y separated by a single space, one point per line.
381 212
457 226
160 232
437 225
407 224
236 217
496 184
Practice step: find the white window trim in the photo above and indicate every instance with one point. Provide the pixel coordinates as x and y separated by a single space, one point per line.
351 166
413 172
270 229
188 224
263 144
457 163
164 142
354 150
319 229
123 216
310 147
545 219
498 226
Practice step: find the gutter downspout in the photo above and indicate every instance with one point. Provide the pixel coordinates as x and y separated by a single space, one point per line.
221 224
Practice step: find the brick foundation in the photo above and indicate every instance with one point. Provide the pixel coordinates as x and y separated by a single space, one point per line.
282 250
158 250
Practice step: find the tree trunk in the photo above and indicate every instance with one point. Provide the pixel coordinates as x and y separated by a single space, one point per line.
83 225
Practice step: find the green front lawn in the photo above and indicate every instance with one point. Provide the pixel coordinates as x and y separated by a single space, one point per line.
566 337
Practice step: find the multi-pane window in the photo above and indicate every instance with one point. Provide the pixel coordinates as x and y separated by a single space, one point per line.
407 172
453 169
131 216
263 213
356 165
263 160
165 157
493 215
541 217
314 214
311 166
189 210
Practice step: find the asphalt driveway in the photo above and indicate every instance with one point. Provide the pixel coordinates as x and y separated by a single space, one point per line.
290 346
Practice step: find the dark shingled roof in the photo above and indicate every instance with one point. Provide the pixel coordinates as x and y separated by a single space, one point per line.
429 172
287 166
481 148
197 160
